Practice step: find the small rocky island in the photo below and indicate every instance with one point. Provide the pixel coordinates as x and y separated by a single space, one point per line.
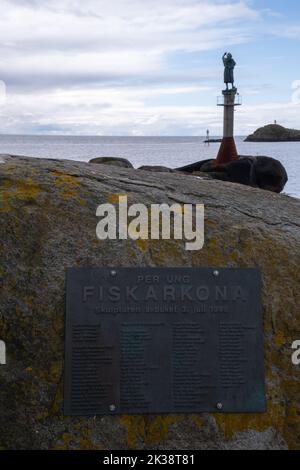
274 133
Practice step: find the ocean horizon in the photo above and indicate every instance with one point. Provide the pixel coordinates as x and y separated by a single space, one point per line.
171 151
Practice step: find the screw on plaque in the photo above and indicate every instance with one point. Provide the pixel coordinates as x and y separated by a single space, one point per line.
112 407
216 273
219 406
113 272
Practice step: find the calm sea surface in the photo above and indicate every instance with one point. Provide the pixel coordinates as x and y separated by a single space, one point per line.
167 151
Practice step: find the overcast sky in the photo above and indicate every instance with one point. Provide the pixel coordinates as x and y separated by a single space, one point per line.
146 67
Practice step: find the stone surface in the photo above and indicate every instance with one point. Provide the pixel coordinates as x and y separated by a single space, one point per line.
274 133
121 162
48 221
158 168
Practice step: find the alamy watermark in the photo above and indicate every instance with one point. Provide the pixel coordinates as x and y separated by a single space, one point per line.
296 353
156 222
2 353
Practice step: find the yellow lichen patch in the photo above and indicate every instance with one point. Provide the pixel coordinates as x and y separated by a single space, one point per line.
167 253
291 431
79 440
57 401
142 244
214 251
150 430
27 189
24 190
67 183
64 442
114 198
230 424
4 196
82 202
158 428
86 443
210 223
135 429
213 254
197 420
55 372
279 339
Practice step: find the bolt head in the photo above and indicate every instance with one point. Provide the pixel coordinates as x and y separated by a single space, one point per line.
113 272
112 407
216 273
219 406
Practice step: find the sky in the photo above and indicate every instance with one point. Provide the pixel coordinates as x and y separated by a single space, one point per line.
146 67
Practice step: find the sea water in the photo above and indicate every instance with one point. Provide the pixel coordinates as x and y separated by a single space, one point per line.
166 151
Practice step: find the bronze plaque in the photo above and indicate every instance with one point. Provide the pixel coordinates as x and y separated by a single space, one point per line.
163 340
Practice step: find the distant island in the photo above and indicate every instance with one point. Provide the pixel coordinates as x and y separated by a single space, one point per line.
274 133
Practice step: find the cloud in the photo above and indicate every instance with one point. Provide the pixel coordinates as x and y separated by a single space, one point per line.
104 38
93 67
122 111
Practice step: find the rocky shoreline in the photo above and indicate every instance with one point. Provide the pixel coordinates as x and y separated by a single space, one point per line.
261 172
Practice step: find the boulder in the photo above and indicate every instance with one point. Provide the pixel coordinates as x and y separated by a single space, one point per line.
121 162
261 172
203 165
48 222
158 168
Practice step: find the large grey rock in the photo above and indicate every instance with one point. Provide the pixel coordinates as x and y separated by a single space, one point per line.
48 224
115 161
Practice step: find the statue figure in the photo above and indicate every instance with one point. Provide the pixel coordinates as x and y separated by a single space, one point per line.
229 65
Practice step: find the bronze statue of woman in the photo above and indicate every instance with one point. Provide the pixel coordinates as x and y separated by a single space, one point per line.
229 65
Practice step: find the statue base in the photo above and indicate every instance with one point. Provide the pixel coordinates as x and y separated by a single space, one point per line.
230 91
227 151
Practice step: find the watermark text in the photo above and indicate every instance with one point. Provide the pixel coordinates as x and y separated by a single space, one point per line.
157 222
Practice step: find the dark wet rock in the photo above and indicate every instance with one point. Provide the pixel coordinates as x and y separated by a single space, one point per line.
203 165
121 162
261 172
